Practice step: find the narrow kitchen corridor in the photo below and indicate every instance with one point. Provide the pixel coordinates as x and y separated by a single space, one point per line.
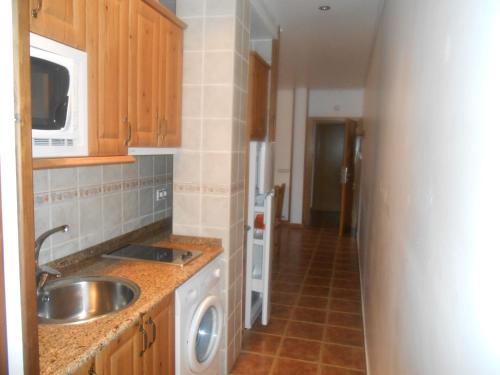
316 322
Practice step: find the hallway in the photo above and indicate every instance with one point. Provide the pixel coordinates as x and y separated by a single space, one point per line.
316 324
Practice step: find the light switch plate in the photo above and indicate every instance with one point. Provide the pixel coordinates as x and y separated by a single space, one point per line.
161 194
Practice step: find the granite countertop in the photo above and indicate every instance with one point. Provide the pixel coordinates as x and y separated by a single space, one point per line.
64 348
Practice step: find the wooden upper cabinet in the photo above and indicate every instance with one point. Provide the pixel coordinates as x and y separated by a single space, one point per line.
273 100
257 97
124 355
60 20
143 102
107 59
159 359
170 83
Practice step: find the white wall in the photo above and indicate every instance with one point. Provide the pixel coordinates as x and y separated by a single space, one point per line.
283 147
429 245
299 136
336 103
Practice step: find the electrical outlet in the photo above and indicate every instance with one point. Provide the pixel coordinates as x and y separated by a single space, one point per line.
161 194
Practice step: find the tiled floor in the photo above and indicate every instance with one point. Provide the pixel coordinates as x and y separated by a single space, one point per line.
316 324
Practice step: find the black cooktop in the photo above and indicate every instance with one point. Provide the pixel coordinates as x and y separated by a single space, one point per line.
154 254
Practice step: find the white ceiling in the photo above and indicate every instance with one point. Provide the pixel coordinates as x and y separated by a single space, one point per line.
324 49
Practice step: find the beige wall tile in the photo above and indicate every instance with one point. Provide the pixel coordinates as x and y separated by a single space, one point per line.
191 134
218 101
191 101
214 211
192 67
217 135
186 209
220 7
193 34
187 167
218 67
216 168
219 33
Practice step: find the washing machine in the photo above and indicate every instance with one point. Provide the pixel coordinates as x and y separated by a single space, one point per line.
199 322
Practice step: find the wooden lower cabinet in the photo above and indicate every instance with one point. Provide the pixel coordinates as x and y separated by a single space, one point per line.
145 348
159 358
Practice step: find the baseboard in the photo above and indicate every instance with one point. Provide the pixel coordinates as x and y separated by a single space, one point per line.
363 312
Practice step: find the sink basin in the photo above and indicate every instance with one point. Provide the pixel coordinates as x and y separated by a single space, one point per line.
82 299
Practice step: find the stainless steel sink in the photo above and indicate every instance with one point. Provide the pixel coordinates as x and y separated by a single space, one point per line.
82 299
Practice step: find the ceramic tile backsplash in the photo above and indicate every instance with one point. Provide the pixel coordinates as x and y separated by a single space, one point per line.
99 202
209 168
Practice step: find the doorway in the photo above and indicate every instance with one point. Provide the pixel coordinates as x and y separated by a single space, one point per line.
326 191
329 173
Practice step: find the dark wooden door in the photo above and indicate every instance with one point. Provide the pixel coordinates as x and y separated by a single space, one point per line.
327 165
347 178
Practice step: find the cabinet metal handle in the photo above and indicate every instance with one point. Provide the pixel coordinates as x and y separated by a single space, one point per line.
144 341
151 321
35 11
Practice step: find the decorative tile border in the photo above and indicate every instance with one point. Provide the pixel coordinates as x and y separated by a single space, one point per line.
59 196
185 187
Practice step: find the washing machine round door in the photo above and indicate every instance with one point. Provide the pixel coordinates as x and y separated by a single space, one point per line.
205 334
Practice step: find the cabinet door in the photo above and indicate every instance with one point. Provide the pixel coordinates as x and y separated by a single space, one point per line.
159 358
143 101
170 90
107 48
123 356
257 98
61 20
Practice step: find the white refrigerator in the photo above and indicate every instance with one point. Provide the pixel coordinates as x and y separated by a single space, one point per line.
260 220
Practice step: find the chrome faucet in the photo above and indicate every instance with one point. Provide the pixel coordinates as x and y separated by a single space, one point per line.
43 272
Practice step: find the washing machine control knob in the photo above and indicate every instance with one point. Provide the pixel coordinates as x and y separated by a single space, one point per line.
217 273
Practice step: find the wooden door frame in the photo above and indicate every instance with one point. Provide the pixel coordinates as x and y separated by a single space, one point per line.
22 94
309 155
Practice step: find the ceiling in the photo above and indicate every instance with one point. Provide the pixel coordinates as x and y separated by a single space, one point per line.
323 49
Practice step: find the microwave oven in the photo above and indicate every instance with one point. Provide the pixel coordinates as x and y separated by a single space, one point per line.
58 99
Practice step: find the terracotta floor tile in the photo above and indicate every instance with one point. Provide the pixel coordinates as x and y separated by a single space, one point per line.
300 349
344 305
346 275
318 291
330 370
285 287
316 304
248 363
313 302
289 278
344 336
275 326
317 281
321 272
346 284
345 319
343 356
286 366
261 343
283 298
352 294
305 330
321 265
280 311
309 315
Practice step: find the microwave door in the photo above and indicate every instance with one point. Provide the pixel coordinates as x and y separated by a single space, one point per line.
49 94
